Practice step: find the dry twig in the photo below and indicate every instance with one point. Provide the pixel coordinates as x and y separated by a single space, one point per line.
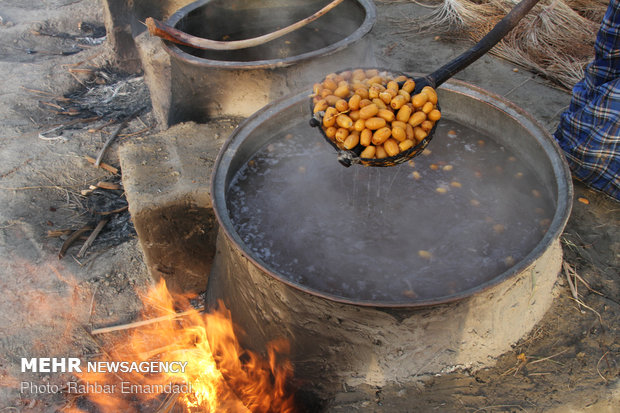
584 282
168 404
86 192
105 353
107 185
85 71
141 323
98 128
74 237
600 319
523 361
92 237
46 94
502 406
80 63
114 211
92 303
568 271
51 105
114 135
129 135
63 126
598 364
102 165
549 357
55 233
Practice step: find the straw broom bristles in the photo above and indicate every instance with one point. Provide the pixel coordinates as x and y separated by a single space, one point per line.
456 15
593 10
555 39
556 42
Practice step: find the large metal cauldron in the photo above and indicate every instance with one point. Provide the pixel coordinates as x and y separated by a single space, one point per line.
198 85
336 340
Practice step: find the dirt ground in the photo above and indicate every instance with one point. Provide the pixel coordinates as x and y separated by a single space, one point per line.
572 357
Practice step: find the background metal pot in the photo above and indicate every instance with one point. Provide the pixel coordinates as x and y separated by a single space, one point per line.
335 340
191 84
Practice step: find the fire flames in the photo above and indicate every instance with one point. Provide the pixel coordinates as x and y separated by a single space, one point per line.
219 375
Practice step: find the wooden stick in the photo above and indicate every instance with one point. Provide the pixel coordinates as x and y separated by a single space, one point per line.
87 71
143 322
168 404
115 211
51 104
92 302
103 350
549 357
78 79
128 135
40 92
63 126
588 285
160 29
107 185
103 165
58 232
88 59
600 319
46 94
567 273
86 192
597 369
69 241
92 237
113 136
98 128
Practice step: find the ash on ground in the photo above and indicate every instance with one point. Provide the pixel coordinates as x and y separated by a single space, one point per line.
111 95
119 227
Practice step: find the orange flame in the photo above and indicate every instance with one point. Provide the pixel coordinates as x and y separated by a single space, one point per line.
219 375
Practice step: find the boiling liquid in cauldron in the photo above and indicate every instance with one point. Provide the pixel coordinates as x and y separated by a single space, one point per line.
442 224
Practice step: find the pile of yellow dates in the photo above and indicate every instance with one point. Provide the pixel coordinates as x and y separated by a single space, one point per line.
367 108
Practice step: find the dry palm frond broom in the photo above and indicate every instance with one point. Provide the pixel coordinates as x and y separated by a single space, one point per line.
556 39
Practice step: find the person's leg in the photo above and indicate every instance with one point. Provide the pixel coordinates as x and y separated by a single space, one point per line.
589 131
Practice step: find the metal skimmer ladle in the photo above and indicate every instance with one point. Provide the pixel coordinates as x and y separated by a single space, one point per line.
435 79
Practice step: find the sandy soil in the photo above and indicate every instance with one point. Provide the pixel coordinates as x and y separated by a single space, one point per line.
48 304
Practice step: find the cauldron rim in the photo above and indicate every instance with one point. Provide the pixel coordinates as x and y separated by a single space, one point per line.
174 50
559 166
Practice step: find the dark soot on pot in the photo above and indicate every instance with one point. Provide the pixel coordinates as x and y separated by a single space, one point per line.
453 218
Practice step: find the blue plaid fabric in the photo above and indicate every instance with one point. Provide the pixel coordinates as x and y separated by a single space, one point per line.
589 131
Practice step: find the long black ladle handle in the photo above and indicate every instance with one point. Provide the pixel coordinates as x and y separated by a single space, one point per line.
438 77
485 44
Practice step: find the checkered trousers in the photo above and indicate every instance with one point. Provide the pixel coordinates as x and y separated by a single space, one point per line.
589 131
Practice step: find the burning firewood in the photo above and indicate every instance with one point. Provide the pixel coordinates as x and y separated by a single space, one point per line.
217 374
